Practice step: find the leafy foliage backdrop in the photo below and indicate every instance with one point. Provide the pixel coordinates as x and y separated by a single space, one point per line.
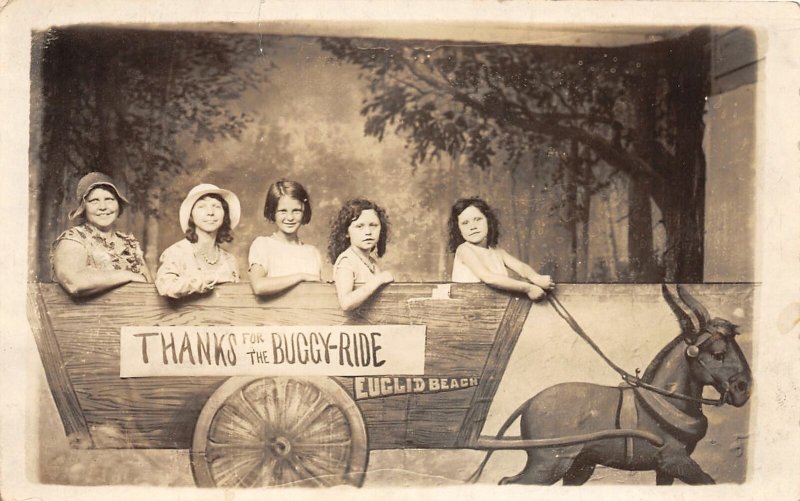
592 155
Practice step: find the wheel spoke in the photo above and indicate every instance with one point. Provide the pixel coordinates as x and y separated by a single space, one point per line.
325 464
321 444
215 450
230 423
265 478
253 477
278 402
290 476
330 423
249 411
315 409
305 472
278 473
295 405
227 469
269 405
246 469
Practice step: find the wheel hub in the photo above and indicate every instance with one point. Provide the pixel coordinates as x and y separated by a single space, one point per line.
279 446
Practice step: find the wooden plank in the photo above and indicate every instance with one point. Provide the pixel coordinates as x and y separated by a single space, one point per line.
386 420
154 413
507 334
107 318
58 380
226 295
156 430
460 337
435 419
437 316
312 295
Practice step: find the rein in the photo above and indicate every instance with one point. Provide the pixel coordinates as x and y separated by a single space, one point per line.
626 376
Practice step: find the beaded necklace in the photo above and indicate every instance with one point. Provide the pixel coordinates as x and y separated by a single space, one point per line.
371 265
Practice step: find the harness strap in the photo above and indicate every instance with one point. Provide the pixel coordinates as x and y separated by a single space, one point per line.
671 416
626 376
628 418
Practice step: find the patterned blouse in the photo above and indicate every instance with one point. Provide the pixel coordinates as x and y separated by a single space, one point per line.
184 271
102 254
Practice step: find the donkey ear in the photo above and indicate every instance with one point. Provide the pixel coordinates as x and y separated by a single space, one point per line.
698 309
687 326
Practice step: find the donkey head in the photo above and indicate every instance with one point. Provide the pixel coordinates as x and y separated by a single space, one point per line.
712 353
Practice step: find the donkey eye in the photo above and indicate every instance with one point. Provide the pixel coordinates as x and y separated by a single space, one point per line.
719 356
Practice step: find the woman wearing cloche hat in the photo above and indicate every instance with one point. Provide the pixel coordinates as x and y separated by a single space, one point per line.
93 257
197 263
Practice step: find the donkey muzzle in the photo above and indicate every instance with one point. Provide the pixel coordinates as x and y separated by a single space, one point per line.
737 390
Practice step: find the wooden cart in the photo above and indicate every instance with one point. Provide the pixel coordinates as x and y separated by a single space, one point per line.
265 430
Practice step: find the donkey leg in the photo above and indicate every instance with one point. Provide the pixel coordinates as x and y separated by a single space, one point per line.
544 467
684 468
579 473
663 478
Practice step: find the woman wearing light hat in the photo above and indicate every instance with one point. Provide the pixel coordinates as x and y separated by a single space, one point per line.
93 257
197 263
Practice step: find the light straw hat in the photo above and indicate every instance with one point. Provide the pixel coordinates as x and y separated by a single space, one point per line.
201 190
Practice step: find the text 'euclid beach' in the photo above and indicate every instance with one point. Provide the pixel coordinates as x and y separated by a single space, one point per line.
342 350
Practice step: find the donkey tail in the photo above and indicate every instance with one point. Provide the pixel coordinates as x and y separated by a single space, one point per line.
513 417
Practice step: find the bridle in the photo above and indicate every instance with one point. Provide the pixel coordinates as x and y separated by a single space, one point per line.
635 381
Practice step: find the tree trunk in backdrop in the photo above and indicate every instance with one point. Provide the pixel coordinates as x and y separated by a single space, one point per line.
641 254
682 195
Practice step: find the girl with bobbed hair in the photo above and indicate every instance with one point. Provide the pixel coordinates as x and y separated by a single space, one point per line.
282 260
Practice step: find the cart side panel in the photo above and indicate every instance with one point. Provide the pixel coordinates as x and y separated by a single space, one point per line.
122 413
460 334
58 379
386 419
144 413
438 418
161 412
507 334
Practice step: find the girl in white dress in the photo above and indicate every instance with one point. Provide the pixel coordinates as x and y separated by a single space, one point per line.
197 263
474 231
280 261
359 232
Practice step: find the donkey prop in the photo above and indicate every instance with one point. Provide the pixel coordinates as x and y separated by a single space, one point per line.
665 402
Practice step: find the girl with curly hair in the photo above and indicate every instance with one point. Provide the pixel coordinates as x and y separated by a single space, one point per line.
358 233
474 231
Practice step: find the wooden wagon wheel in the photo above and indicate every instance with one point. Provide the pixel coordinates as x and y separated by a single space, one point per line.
269 431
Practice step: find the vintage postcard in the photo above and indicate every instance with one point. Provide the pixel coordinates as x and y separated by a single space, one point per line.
406 249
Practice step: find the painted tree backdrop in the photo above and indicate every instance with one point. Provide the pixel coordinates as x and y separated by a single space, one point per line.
591 155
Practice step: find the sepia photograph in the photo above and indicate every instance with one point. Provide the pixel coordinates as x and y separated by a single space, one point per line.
408 253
